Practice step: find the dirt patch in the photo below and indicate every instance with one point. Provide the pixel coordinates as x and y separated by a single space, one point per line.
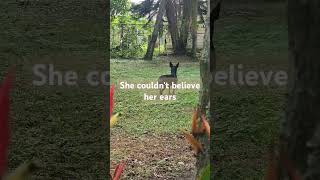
152 156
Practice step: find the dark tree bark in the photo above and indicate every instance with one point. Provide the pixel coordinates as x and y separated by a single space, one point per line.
203 159
301 129
206 95
214 16
209 68
194 27
185 23
153 40
171 13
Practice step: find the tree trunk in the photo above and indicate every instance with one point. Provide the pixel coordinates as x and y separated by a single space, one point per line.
153 40
194 27
207 68
301 130
214 15
171 12
206 63
179 8
186 23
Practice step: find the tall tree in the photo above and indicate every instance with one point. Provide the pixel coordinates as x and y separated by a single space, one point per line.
214 16
185 23
206 72
156 29
179 27
194 27
171 12
301 129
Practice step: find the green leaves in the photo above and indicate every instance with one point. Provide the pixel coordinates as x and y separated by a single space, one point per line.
129 35
119 7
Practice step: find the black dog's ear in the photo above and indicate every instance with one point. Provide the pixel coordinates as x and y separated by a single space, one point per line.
171 64
177 65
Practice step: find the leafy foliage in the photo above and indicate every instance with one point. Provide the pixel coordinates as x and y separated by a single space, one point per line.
129 34
119 7
146 8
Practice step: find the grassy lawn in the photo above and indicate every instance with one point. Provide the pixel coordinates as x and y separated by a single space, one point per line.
60 126
254 35
140 116
152 128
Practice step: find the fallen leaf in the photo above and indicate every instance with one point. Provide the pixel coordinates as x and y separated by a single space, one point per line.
118 171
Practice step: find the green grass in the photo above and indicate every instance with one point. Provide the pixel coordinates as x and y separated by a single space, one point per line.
248 121
59 126
248 117
140 116
255 31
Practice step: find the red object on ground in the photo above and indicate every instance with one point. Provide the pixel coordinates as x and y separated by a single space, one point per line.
4 121
118 171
